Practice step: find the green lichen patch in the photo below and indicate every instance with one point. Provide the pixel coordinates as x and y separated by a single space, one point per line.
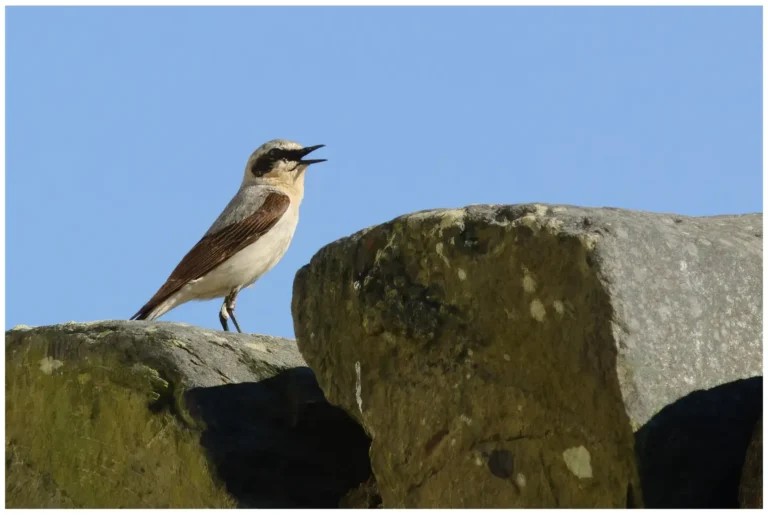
83 435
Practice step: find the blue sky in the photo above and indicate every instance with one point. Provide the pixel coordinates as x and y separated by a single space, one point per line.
127 129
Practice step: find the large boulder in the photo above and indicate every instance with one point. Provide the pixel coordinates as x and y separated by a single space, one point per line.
504 356
163 415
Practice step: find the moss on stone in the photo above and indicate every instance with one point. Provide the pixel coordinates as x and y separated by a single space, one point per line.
90 433
457 370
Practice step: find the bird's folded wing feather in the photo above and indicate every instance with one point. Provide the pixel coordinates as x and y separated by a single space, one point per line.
215 248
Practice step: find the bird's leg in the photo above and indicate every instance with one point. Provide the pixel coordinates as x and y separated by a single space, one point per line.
223 315
230 303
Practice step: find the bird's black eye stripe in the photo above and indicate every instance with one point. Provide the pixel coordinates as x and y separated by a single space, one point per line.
264 163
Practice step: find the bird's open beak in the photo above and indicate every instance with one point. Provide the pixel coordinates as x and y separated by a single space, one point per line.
306 150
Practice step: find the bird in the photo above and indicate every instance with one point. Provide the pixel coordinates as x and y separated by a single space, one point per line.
248 238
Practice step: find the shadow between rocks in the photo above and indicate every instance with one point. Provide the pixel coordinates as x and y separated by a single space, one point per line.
690 455
278 443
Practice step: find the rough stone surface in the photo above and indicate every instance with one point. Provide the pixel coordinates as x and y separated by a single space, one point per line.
366 496
155 414
477 346
751 487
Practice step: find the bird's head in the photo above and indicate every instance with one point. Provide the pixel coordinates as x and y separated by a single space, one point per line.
279 162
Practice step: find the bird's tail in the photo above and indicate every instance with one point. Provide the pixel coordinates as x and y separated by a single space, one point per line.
160 303
152 310
143 314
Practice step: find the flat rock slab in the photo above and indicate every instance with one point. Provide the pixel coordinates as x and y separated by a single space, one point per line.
163 415
504 356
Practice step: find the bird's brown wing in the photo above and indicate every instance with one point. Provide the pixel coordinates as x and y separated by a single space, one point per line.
214 249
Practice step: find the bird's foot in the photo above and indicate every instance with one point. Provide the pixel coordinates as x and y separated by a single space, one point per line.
231 311
229 307
223 316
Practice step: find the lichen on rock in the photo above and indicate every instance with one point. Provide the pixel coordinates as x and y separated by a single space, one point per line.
161 415
551 338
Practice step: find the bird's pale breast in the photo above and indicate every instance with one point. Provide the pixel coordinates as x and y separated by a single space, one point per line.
245 267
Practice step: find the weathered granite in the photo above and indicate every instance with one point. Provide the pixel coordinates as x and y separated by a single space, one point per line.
366 496
502 356
156 414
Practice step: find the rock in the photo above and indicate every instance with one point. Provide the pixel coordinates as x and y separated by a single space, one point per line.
163 415
366 496
751 487
503 356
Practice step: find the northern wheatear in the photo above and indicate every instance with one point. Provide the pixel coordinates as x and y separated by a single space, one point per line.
247 239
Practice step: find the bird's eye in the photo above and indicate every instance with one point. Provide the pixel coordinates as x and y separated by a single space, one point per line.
274 151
